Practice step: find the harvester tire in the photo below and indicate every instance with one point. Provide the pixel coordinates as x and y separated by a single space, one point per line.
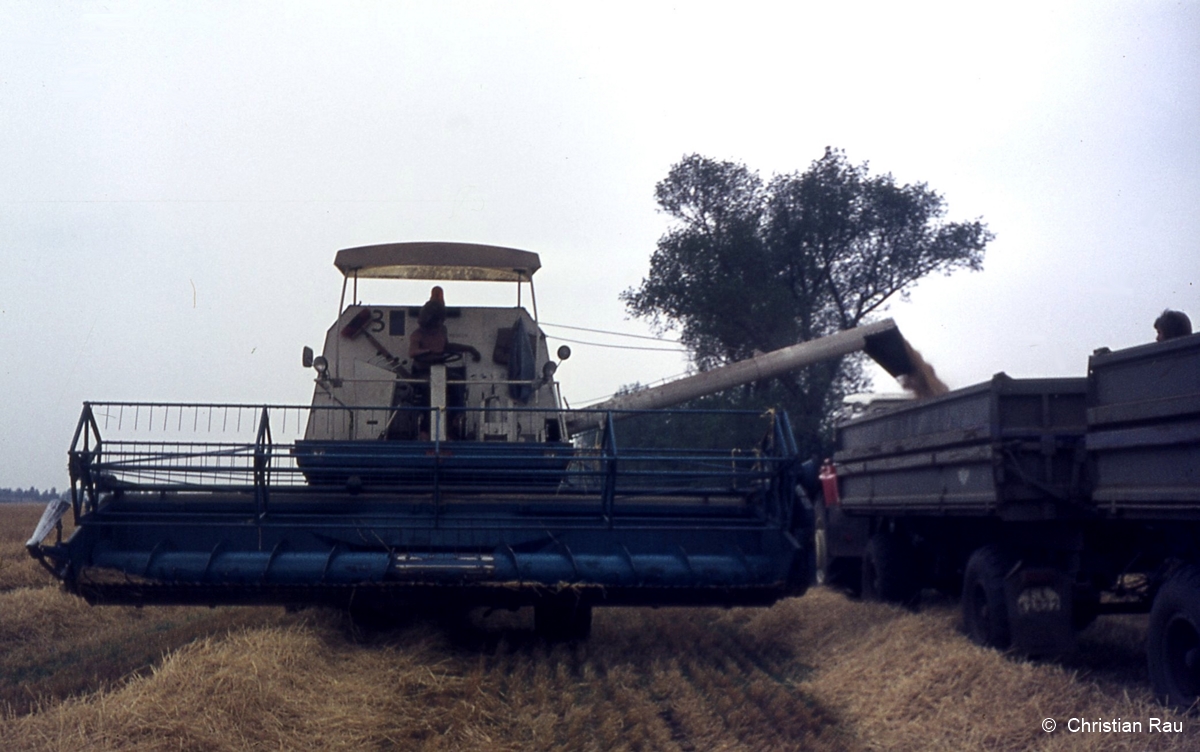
984 609
888 570
562 620
1086 608
1173 639
373 617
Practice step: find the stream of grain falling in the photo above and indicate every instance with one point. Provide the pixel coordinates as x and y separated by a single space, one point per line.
923 381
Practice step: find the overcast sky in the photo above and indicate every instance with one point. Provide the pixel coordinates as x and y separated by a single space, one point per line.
178 176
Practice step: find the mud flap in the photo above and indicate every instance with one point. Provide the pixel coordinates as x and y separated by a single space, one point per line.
1040 605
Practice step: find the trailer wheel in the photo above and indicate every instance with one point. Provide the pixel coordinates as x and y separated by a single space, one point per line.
1173 639
888 570
984 610
562 620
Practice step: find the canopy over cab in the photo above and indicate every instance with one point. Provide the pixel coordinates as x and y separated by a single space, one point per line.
448 261
470 262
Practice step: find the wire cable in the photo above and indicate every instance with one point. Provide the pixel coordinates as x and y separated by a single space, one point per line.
619 347
665 380
615 334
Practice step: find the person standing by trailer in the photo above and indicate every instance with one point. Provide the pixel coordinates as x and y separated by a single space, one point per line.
1172 324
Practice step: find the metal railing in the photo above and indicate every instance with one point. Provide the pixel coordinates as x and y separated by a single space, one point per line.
199 451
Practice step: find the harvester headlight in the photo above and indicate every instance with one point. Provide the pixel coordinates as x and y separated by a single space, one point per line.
322 365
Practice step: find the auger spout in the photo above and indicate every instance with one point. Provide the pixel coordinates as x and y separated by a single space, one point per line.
881 340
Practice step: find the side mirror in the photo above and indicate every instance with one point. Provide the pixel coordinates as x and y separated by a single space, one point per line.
564 352
307 357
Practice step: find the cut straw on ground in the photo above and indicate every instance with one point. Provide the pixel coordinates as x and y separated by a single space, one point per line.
819 672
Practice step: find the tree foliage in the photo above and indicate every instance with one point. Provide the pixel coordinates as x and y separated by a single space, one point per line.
753 266
25 495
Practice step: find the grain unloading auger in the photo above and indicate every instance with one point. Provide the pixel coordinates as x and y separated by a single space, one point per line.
436 466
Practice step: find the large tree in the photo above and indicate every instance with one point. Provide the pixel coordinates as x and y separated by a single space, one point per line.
753 266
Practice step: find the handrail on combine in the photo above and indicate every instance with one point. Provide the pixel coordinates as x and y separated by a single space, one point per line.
259 451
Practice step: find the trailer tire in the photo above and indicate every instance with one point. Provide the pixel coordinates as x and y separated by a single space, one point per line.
562 620
1173 639
888 572
984 609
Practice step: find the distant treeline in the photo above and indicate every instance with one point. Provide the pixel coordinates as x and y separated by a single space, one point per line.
15 495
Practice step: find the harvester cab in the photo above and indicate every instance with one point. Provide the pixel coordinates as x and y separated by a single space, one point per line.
398 384
450 373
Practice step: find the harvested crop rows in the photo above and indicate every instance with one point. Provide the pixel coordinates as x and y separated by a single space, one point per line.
816 673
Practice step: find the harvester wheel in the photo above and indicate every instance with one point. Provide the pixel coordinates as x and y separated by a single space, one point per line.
1173 639
562 620
888 571
1086 608
373 617
984 610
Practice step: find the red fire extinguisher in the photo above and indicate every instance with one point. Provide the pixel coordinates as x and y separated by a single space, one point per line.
829 484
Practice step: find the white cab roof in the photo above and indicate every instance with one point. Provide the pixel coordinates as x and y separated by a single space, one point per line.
448 261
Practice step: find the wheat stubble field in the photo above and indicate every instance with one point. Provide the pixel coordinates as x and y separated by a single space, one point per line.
814 673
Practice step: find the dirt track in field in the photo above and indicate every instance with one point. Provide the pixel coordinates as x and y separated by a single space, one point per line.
816 673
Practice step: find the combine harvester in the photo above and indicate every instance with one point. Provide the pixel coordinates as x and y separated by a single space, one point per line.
437 468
